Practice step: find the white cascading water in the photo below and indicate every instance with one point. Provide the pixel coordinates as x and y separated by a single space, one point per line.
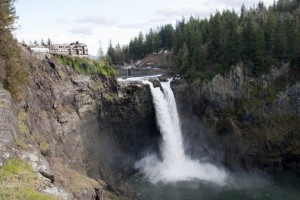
174 164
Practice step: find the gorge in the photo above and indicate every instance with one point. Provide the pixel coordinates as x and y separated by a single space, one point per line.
94 129
222 122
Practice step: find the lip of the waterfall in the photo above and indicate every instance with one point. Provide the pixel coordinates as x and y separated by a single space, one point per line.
141 78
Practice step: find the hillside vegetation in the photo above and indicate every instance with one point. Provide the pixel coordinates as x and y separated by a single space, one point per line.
87 66
13 75
258 37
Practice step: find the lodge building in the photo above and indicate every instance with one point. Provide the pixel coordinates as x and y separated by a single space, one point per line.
75 49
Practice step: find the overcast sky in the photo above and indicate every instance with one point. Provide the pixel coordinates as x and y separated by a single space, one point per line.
91 21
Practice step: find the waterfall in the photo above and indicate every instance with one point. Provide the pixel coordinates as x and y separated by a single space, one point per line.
174 165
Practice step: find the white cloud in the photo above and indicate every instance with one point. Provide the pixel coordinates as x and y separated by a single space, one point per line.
137 25
187 11
87 30
63 21
98 20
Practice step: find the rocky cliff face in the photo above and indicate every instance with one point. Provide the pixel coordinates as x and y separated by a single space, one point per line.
84 133
77 129
8 124
242 121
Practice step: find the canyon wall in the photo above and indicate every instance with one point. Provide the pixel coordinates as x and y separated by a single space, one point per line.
74 128
244 122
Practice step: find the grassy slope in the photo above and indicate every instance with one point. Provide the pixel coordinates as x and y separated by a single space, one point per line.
19 182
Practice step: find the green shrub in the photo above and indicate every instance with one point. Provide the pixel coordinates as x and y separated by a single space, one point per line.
21 122
221 69
20 143
86 66
2 70
14 75
44 147
15 167
208 73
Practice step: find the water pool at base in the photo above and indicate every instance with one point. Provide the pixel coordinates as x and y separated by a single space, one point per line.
284 186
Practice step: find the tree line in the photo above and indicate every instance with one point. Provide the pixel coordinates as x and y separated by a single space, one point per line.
35 42
258 37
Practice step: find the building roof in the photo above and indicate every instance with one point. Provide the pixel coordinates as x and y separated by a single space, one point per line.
50 46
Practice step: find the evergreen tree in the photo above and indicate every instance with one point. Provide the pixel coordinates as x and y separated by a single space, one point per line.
184 58
126 52
13 75
166 36
119 55
179 35
279 39
248 38
291 35
149 42
260 63
270 33
42 42
215 36
111 52
140 46
231 38
49 42
156 43
7 15
243 12
134 48
195 41
100 53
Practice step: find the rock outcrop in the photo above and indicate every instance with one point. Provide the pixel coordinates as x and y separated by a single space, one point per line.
8 126
288 101
243 121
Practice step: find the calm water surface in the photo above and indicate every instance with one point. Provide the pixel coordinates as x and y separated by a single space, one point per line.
237 187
